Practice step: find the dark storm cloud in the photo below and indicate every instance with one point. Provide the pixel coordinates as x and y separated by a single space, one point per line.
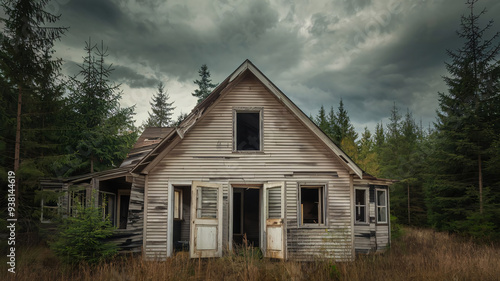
405 70
90 16
126 75
321 22
246 25
353 6
369 53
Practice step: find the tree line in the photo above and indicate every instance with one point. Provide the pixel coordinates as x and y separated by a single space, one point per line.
448 174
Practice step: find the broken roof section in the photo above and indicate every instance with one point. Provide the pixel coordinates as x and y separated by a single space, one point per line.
150 138
155 155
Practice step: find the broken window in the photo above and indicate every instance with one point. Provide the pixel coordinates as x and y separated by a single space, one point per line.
381 206
51 204
78 199
123 204
248 131
206 203
312 205
274 203
107 201
360 205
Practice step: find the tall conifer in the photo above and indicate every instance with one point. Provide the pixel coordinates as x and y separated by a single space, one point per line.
467 128
29 75
161 109
205 85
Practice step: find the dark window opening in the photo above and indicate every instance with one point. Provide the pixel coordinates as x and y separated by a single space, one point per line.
124 202
248 131
311 203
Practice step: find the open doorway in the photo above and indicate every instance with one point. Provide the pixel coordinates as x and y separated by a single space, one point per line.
246 215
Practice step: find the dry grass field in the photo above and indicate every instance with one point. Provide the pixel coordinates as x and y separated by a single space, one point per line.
418 255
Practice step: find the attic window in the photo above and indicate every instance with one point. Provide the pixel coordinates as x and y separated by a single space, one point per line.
248 130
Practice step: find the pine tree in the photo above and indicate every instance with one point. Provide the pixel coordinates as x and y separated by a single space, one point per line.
467 128
343 127
161 110
205 85
400 156
379 137
321 120
331 119
29 75
180 118
103 131
367 158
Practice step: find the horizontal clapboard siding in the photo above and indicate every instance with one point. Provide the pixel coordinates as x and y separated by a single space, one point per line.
132 236
206 154
156 224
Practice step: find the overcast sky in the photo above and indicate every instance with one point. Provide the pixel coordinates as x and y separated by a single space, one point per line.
370 53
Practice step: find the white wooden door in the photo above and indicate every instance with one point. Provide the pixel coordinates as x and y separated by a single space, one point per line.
274 216
206 220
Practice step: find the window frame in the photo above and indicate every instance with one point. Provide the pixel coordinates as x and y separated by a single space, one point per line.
366 205
46 208
322 210
378 206
121 192
112 210
179 204
237 110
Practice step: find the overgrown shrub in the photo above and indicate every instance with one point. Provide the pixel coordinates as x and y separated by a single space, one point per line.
82 237
396 230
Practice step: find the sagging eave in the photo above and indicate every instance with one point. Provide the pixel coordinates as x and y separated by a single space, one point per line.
200 110
103 175
370 179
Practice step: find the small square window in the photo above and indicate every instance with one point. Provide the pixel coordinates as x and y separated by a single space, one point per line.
248 133
360 206
311 205
381 198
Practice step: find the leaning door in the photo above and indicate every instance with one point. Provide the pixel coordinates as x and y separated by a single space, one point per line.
274 216
206 220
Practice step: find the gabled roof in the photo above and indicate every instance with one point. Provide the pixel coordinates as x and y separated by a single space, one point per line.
162 149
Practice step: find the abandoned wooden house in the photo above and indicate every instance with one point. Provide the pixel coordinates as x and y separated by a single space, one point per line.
246 164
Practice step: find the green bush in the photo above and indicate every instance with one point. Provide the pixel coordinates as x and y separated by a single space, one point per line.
396 230
82 237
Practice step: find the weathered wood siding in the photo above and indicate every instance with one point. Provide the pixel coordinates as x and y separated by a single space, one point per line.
156 195
206 154
135 217
371 236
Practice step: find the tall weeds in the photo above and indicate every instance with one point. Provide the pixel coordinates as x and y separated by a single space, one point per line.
417 255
